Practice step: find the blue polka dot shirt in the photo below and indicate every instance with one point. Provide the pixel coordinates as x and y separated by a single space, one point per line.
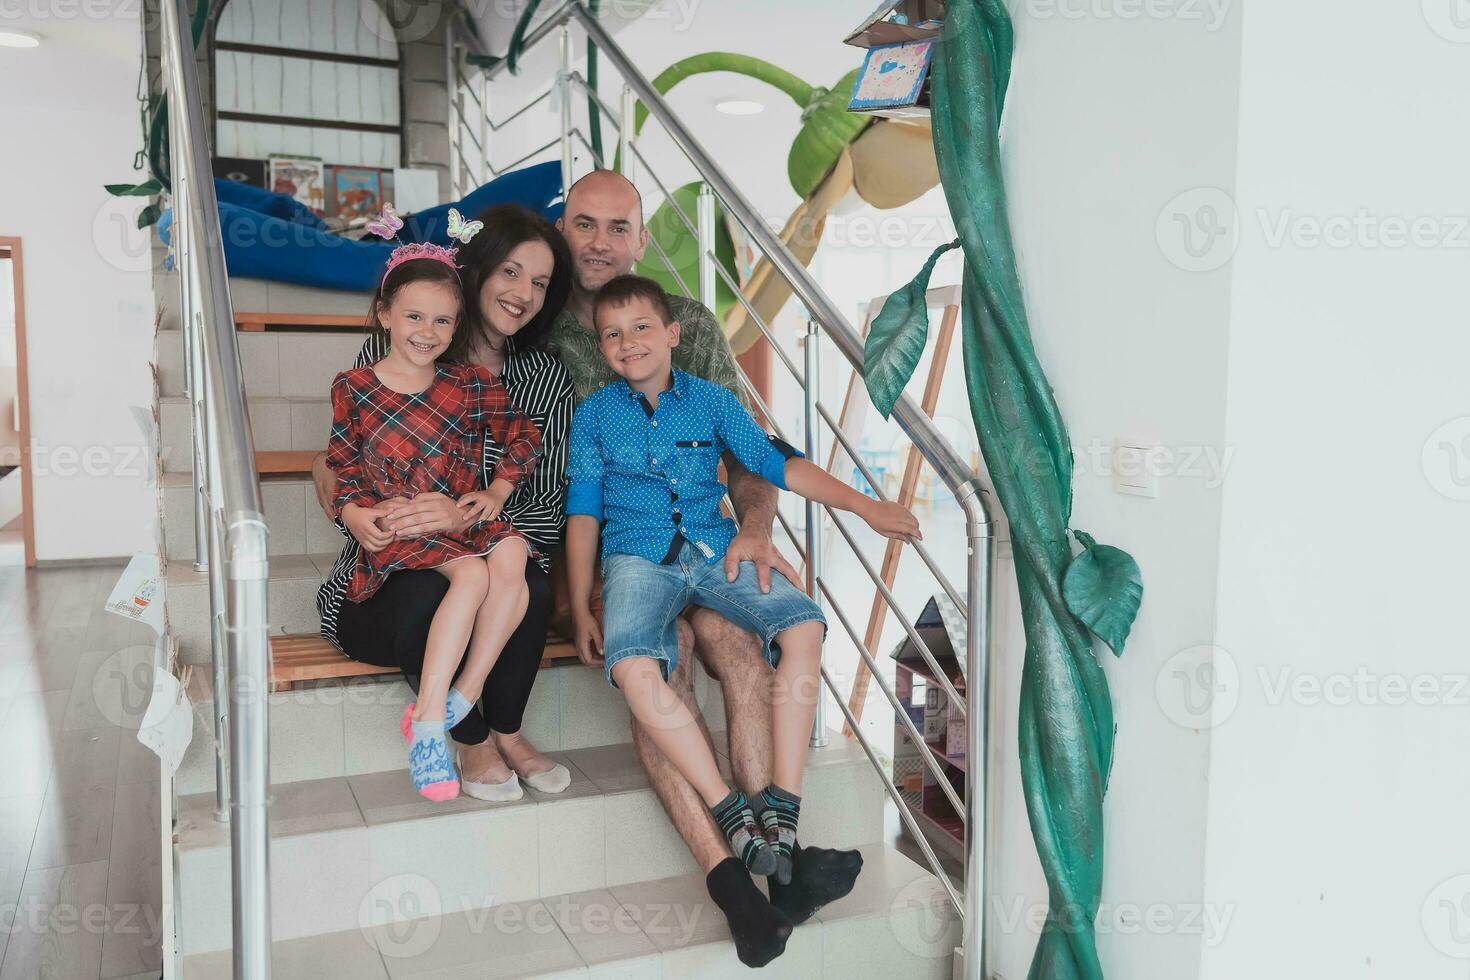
650 475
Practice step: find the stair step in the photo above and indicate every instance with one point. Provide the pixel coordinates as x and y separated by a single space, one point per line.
349 726
288 364
296 523
261 321
308 657
896 922
293 583
280 463
277 423
354 851
262 295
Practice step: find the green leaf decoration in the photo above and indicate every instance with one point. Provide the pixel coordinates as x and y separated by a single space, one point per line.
1104 588
826 127
149 215
668 229
897 336
146 189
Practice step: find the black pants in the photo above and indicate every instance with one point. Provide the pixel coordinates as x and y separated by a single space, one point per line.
391 629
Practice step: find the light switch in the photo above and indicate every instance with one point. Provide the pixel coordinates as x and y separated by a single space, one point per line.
1134 469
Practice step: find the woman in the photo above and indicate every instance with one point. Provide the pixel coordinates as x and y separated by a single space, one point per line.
516 275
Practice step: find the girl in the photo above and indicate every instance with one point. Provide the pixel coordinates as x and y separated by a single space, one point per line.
405 425
515 276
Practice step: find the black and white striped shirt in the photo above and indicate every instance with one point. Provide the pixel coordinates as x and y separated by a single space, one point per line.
540 387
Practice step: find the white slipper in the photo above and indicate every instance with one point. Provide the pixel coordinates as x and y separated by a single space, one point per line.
505 792
554 780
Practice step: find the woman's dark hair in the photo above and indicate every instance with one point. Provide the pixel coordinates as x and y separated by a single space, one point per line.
507 226
414 270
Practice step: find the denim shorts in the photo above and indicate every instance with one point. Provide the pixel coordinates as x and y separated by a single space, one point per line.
642 601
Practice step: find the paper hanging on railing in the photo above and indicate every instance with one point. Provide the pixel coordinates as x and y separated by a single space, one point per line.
168 724
138 594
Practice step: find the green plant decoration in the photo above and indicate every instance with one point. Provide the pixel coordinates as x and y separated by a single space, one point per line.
1104 589
1066 714
153 116
668 229
826 125
886 162
897 336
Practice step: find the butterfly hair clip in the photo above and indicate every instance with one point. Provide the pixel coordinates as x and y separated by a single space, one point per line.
387 224
462 230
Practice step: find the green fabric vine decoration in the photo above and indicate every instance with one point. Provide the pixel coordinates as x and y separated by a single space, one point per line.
153 118
1066 713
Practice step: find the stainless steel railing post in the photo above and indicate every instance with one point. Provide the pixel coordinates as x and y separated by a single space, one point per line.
456 112
979 568
238 566
625 131
218 599
705 218
484 128
206 554
811 391
249 645
564 97
193 367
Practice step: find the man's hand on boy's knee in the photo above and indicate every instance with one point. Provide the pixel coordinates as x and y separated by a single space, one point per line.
754 544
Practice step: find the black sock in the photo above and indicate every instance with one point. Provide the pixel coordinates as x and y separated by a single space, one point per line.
759 929
818 876
736 821
779 814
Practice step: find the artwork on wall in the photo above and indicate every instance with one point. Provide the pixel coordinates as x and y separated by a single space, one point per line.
240 170
301 178
892 76
359 192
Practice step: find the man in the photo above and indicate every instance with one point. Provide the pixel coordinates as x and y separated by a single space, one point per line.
603 225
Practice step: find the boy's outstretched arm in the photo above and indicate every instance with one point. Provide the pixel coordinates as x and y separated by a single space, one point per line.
581 557
814 483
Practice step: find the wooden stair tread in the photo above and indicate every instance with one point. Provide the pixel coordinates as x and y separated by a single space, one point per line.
257 322
275 461
309 657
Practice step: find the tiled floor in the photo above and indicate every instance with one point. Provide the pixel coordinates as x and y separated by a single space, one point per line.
79 801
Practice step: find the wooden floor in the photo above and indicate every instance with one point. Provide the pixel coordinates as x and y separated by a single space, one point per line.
79 798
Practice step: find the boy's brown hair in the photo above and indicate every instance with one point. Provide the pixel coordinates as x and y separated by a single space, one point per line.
621 290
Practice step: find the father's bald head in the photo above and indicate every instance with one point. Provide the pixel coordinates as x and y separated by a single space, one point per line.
603 225
610 190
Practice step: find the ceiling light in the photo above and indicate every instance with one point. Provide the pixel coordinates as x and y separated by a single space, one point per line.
18 39
739 107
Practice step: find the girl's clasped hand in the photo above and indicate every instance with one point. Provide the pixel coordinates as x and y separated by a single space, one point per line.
485 505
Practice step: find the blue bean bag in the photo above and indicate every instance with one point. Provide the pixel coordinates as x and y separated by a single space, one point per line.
272 236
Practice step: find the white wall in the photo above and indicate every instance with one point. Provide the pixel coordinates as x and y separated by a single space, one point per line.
1336 818
71 125
1108 119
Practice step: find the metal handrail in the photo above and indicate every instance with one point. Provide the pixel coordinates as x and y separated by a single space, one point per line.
967 489
227 489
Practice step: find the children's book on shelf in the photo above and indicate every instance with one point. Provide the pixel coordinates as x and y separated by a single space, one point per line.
300 177
359 192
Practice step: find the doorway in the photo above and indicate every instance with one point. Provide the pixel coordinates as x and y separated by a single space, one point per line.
17 517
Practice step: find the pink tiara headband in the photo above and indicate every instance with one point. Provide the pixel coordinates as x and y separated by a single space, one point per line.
422 250
387 225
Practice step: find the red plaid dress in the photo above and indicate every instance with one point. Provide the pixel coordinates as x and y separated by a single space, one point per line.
387 444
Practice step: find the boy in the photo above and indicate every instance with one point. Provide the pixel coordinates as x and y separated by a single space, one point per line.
644 458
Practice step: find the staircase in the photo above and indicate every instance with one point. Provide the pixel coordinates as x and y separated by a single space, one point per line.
366 878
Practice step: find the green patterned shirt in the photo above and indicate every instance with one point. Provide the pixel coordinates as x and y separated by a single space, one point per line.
703 350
